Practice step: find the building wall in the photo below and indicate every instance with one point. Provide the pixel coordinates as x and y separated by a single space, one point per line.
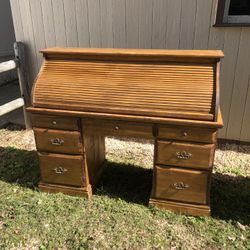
171 24
7 39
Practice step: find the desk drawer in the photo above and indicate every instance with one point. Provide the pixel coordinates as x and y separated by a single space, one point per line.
187 133
58 141
181 185
117 128
61 169
185 154
55 122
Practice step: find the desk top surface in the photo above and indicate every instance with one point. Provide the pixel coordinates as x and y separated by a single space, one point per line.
157 83
216 54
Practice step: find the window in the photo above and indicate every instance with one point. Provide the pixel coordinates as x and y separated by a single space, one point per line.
233 13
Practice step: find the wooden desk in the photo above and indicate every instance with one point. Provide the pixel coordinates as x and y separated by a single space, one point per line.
82 95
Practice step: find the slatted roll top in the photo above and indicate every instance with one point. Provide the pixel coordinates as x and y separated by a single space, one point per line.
155 83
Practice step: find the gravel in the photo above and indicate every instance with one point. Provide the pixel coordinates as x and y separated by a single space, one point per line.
230 158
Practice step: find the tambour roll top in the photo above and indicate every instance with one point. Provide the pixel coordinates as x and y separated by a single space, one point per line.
155 83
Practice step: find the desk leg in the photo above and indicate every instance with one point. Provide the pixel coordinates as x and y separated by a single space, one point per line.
94 152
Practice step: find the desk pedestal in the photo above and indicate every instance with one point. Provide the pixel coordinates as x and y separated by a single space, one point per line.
71 154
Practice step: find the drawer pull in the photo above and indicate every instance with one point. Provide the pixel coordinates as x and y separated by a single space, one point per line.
116 127
54 122
60 170
184 133
183 155
57 141
180 185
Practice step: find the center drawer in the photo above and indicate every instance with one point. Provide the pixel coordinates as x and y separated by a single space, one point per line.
61 169
58 141
117 128
181 184
184 154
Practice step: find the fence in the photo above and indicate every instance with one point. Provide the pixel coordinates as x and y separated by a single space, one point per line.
19 63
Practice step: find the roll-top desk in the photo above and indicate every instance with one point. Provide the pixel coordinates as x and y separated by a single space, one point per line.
82 95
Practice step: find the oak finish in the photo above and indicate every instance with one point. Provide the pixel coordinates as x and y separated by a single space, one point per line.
146 119
185 133
183 185
117 128
181 207
74 191
82 95
58 141
181 154
54 122
126 86
62 169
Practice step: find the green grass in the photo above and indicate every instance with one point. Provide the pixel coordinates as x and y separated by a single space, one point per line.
117 217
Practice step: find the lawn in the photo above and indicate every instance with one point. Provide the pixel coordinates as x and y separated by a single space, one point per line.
118 216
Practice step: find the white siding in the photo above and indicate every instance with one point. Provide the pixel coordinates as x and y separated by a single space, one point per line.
7 38
184 24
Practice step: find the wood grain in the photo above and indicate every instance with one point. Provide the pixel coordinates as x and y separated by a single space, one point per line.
55 122
183 90
167 180
117 128
201 156
181 208
146 53
147 119
70 141
169 96
94 148
74 191
187 133
51 164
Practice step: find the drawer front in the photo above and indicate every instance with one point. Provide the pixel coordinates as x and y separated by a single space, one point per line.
181 185
185 154
58 141
117 128
61 169
55 122
187 133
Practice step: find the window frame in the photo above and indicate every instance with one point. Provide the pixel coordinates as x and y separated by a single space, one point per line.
225 20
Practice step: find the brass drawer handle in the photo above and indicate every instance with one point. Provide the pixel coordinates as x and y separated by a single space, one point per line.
180 185
60 170
183 155
184 134
116 128
57 141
